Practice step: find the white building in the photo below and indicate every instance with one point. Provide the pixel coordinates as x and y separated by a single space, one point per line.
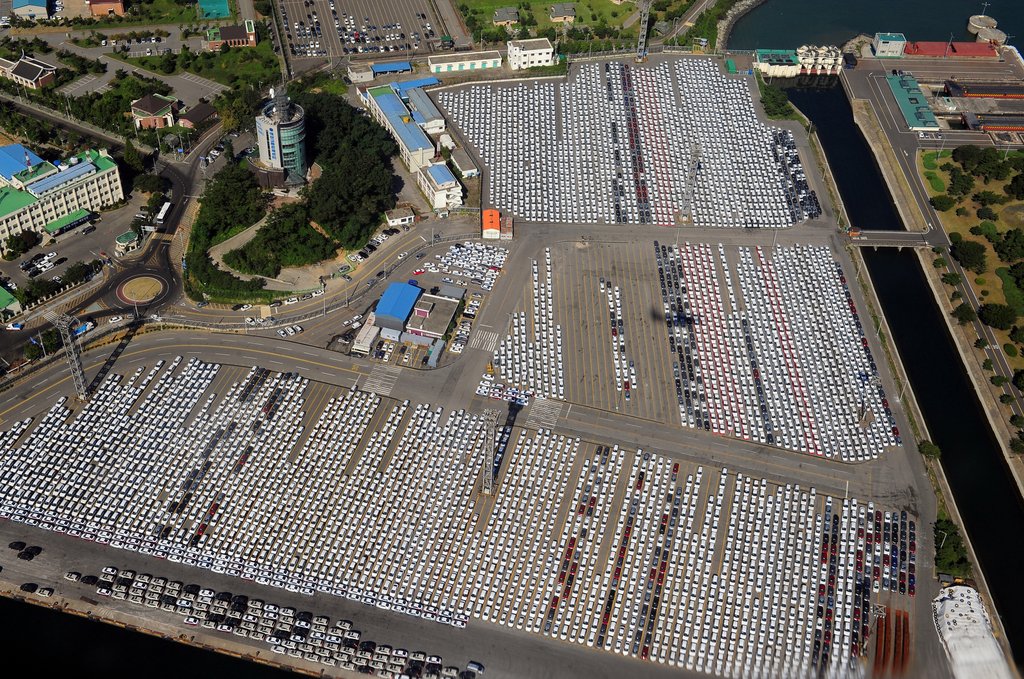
464 164
966 633
889 45
455 62
424 112
400 216
36 195
439 185
529 53
387 109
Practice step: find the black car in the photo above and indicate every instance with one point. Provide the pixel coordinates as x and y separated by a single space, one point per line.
89 580
29 587
17 544
35 550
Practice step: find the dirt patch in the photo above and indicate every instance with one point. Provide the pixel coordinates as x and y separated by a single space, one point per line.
1013 216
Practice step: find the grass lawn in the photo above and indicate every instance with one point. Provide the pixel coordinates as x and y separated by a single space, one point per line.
588 12
930 158
938 186
1014 296
333 86
247 64
155 12
993 287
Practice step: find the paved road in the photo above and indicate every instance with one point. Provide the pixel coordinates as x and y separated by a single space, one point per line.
867 82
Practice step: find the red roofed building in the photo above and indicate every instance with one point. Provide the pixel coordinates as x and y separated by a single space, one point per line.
982 50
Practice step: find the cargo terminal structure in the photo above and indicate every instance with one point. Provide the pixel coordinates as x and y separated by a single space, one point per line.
37 195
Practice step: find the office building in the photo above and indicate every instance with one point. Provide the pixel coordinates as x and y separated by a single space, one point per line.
530 53
36 195
281 135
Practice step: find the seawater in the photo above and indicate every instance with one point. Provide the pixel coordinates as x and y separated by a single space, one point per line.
787 24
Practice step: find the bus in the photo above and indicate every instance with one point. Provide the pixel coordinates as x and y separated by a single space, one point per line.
162 215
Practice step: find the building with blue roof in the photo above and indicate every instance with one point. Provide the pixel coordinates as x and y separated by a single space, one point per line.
49 198
15 158
396 305
439 185
30 9
391 67
425 112
387 109
403 89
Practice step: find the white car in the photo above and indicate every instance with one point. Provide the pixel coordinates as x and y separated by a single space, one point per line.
249 320
291 300
245 307
116 319
296 329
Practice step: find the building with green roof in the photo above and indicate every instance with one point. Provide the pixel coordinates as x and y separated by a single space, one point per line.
913 105
52 197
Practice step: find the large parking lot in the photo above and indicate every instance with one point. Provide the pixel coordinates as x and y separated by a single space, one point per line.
313 488
388 30
668 143
759 344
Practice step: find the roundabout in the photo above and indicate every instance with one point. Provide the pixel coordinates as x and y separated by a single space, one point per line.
142 289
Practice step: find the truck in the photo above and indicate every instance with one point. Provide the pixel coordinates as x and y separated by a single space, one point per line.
82 329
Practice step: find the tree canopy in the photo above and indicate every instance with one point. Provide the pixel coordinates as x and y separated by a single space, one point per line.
970 254
350 197
998 316
286 239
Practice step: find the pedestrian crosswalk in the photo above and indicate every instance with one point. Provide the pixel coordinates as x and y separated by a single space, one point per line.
485 340
544 413
382 379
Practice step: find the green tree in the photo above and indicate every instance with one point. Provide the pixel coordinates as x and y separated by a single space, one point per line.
1017 420
964 314
1018 379
970 254
1010 247
987 213
942 202
998 380
998 316
132 158
929 449
952 279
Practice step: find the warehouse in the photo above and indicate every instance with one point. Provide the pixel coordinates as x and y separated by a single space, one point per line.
977 50
431 316
464 61
440 186
954 88
425 113
464 164
992 123
396 305
32 10
530 53
490 225
915 109
391 67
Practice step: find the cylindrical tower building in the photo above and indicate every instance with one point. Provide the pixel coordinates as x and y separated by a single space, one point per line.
281 133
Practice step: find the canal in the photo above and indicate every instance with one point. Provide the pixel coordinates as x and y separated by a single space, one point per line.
985 492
